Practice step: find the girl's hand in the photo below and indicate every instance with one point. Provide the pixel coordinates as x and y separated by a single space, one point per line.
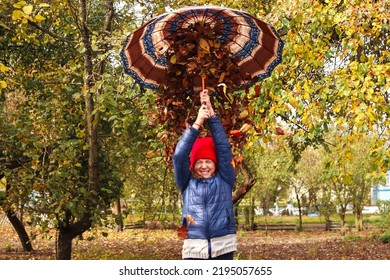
205 100
205 111
203 114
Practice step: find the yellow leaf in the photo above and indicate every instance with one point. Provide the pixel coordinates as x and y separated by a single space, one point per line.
17 14
28 9
120 88
244 114
39 18
3 183
293 102
3 84
3 68
20 4
173 59
204 45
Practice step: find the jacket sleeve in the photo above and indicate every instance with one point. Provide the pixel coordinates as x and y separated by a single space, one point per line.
181 157
223 150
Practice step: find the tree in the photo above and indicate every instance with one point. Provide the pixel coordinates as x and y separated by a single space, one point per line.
305 181
363 177
271 162
55 79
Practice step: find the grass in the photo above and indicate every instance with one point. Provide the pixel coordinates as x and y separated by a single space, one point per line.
349 219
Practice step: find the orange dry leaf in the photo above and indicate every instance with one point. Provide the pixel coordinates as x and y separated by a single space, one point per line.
182 232
239 159
235 133
279 131
150 154
190 219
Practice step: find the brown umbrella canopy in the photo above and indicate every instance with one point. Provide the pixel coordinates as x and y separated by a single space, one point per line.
152 52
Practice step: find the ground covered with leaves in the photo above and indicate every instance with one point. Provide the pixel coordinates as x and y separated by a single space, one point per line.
142 244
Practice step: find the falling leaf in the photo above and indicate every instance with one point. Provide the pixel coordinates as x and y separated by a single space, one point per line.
244 114
235 133
204 45
190 219
245 127
173 59
182 232
279 131
257 89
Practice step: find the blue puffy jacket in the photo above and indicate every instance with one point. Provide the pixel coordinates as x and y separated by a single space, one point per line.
208 201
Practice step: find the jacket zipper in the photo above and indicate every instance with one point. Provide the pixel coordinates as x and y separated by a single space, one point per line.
206 211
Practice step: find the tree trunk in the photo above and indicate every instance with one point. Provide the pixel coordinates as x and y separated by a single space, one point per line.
92 118
20 230
13 218
68 232
343 228
327 221
300 211
246 215
119 226
64 244
249 182
358 221
253 214
17 224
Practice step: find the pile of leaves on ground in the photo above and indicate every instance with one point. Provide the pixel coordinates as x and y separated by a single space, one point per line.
142 244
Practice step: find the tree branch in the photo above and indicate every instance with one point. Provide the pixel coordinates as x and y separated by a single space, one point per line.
48 32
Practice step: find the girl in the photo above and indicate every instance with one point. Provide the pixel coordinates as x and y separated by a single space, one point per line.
205 177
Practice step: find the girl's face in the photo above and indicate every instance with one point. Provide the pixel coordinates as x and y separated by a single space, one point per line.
204 168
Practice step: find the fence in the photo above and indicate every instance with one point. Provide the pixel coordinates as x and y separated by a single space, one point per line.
4 219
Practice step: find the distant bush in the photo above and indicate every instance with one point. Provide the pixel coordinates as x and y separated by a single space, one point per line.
384 224
385 238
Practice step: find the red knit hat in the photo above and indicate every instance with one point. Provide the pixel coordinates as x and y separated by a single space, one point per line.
203 149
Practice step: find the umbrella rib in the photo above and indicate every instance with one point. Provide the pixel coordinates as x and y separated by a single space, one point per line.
144 77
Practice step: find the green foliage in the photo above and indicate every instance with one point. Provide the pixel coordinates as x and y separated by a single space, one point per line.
385 217
385 238
44 116
351 237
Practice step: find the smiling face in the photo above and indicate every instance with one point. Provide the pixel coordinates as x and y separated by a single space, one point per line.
204 168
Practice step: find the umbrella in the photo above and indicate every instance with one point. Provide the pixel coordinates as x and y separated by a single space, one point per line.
152 52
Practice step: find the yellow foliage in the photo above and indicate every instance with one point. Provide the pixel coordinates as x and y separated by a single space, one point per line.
28 9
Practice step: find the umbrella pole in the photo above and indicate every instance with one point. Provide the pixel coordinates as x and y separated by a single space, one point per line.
203 76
